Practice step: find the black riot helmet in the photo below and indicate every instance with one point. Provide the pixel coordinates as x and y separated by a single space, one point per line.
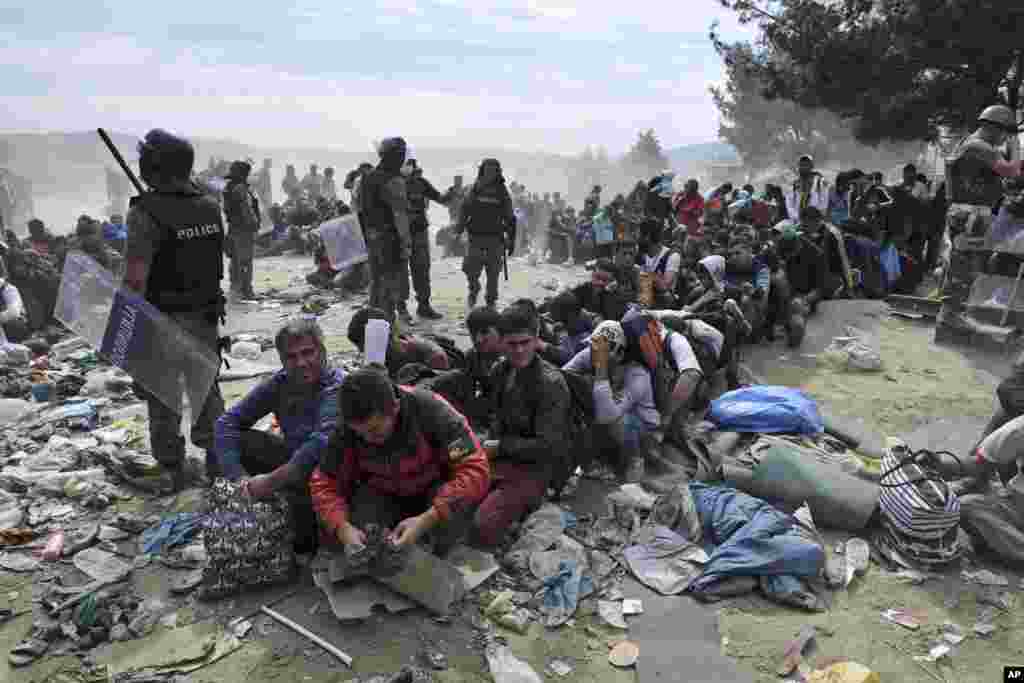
164 156
392 152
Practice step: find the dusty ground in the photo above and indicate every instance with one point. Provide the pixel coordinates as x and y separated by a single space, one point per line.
921 388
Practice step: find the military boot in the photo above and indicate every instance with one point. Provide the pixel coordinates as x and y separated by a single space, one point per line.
403 313
425 310
795 329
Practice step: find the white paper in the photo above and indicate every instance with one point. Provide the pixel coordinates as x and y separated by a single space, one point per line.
378 338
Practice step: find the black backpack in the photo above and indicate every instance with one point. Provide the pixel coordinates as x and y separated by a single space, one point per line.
456 356
581 393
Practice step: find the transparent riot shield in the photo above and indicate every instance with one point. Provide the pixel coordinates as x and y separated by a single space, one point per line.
134 336
343 240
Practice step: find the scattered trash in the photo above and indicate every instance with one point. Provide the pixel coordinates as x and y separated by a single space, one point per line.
345 659
437 660
792 654
241 629
624 655
634 495
631 607
984 577
953 636
990 595
912 576
559 667
984 629
17 562
170 531
611 613
844 672
12 536
505 667
901 618
934 654
858 556
852 352
101 566
246 350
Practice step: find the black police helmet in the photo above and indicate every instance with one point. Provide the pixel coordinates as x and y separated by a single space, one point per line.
165 156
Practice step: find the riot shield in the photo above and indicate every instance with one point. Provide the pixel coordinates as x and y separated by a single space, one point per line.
134 336
343 241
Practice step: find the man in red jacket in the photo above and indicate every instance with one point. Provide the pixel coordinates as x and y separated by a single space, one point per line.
689 206
402 459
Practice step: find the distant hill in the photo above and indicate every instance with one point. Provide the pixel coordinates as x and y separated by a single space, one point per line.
66 168
688 155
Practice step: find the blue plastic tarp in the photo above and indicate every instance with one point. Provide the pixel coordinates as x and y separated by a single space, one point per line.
745 536
767 410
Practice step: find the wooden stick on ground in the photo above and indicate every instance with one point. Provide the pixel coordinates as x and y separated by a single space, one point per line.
301 631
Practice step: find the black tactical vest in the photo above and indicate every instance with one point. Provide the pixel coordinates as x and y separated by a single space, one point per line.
378 215
187 269
485 210
414 187
970 180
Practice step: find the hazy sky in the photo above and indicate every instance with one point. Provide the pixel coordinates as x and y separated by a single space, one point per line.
526 74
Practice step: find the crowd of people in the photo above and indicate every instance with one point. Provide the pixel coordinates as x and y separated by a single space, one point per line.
438 442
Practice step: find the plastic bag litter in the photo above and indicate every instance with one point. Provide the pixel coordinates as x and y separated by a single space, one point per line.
854 352
665 561
767 410
505 667
246 350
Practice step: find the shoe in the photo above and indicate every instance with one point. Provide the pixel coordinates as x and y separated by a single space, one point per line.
403 314
733 309
636 470
426 311
795 331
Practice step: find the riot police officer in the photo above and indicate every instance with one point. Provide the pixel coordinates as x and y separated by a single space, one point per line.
383 212
973 186
420 192
242 210
487 215
175 259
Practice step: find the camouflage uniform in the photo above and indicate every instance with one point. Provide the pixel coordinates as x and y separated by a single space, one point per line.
242 212
384 212
973 188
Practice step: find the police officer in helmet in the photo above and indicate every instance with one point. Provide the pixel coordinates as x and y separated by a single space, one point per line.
384 214
488 217
175 259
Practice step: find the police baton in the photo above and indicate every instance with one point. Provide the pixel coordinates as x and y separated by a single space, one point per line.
504 256
120 159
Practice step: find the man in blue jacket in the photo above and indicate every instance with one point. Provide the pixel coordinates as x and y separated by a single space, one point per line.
303 396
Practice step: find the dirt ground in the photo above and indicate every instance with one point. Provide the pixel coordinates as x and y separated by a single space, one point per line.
921 385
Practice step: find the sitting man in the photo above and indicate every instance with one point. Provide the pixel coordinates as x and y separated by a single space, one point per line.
40 239
13 319
303 396
407 349
798 286
662 262
995 520
630 415
402 459
533 427
748 281
470 389
572 328
601 296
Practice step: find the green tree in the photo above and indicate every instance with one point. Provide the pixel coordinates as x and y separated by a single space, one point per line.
646 157
897 69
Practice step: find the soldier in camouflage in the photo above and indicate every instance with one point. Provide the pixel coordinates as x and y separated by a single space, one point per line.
974 185
420 192
241 208
384 216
